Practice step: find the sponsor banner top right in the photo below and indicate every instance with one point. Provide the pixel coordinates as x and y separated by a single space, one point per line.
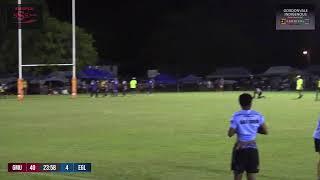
295 17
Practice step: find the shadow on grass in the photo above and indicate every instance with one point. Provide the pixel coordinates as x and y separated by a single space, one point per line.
204 168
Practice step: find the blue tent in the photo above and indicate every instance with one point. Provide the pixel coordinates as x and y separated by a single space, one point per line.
190 79
165 79
95 73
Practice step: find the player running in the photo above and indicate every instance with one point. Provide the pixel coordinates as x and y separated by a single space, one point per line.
258 91
246 123
94 89
299 86
115 87
150 86
124 87
106 88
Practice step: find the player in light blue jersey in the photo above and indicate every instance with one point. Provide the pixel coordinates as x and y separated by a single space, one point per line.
316 136
246 123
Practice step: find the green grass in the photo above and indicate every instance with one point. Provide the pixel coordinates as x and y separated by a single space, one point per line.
159 137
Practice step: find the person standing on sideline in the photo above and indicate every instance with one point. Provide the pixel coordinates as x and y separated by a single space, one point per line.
246 123
299 86
133 85
317 88
25 87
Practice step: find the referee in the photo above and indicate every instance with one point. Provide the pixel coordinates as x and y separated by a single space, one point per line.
299 86
133 85
246 123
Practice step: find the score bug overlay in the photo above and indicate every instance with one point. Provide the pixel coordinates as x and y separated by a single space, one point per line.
49 167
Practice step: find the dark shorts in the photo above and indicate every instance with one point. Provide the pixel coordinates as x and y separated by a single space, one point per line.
245 160
317 145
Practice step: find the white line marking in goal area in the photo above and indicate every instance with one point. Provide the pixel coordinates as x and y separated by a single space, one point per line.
51 175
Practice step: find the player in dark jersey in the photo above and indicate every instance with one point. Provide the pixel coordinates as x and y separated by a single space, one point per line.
246 123
115 87
124 87
106 88
151 86
94 89
258 92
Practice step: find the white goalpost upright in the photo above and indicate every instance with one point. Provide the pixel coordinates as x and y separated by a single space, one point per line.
20 80
74 73
20 84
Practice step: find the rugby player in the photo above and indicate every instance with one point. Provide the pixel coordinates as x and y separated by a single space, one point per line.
246 123
316 136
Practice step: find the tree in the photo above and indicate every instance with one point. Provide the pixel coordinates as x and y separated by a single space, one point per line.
54 45
50 44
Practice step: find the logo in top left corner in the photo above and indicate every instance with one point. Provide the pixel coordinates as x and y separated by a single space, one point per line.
24 16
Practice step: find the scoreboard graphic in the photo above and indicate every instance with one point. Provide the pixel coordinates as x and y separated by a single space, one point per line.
295 17
49 167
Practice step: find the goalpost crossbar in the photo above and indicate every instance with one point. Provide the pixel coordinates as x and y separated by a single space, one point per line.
43 65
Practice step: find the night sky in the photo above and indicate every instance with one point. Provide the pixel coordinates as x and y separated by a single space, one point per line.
190 36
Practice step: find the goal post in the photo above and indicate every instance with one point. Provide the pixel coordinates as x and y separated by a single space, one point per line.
20 79
74 52
20 82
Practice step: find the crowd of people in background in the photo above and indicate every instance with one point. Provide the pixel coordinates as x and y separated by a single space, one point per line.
116 86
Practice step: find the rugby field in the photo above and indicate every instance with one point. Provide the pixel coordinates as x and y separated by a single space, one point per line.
169 136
